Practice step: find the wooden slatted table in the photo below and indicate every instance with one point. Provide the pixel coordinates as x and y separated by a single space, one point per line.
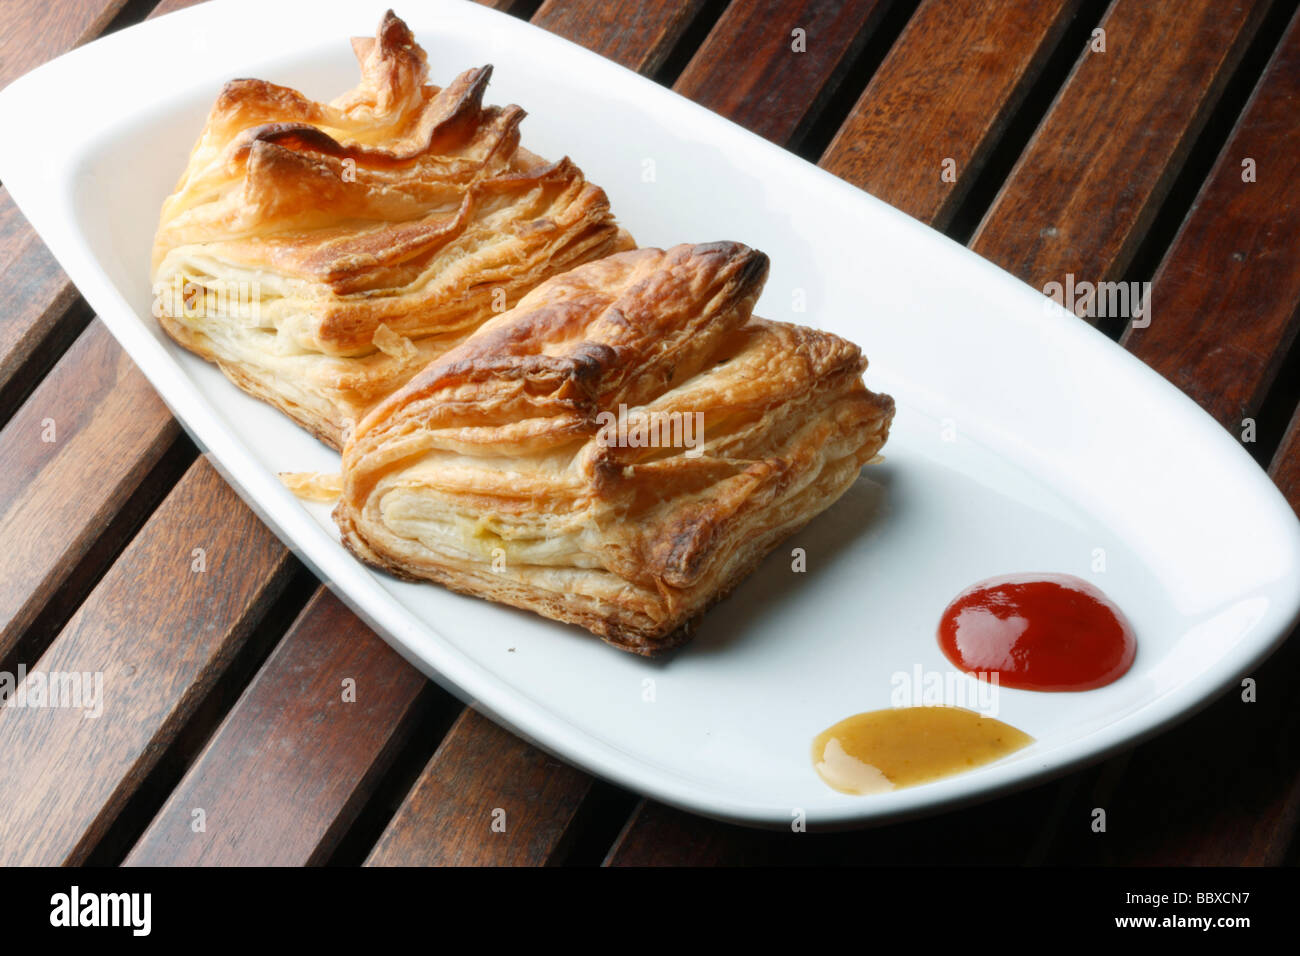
1106 140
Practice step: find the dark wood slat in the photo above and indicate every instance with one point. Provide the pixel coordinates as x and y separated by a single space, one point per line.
34 292
160 633
293 762
946 90
1227 295
1285 469
110 429
483 777
1085 190
1224 789
747 70
636 34
33 31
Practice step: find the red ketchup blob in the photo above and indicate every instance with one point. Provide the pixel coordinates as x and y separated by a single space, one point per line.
1038 632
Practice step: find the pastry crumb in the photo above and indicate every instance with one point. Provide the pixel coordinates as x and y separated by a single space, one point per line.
313 485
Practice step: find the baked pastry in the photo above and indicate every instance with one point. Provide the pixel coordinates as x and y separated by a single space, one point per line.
321 254
618 450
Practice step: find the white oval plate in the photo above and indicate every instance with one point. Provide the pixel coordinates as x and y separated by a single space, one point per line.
1024 441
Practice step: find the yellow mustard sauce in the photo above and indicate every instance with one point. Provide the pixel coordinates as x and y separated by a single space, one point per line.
900 747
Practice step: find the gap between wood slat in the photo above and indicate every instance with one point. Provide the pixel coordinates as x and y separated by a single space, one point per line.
1233 262
1203 155
486 797
812 143
439 711
1091 178
699 27
1003 154
69 777
43 311
323 741
641 35
109 540
943 97
161 780
523 9
76 454
133 12
749 70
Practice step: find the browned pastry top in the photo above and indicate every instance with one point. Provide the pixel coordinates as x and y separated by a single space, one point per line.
369 210
504 441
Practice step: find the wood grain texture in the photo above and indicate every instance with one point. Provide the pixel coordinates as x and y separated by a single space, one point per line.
1089 182
1224 788
1285 468
1226 297
73 455
287 771
33 31
159 632
635 34
748 71
34 294
485 798
946 90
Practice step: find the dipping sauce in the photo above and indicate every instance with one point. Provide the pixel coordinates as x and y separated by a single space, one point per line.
902 746
1038 632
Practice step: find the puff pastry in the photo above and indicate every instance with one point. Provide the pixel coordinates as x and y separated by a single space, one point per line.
321 254
547 461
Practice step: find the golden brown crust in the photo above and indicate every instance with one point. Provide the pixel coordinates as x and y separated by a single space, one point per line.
400 210
505 469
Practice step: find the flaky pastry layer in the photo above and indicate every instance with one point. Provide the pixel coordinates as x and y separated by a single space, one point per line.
618 450
321 254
